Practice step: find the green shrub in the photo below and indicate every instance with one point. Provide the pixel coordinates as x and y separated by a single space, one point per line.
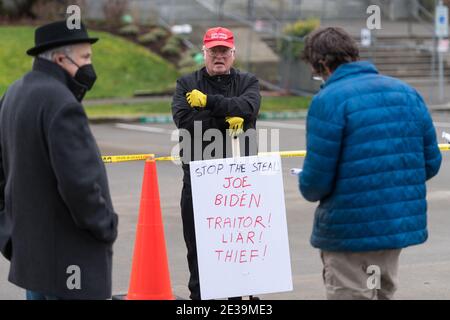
174 40
186 61
299 29
148 38
187 70
171 50
153 36
129 30
159 33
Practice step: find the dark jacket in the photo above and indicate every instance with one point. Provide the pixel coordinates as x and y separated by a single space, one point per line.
236 94
54 196
371 146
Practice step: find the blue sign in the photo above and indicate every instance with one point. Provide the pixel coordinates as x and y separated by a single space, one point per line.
441 21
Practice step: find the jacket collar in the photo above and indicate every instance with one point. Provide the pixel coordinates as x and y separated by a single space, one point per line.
54 70
205 74
350 69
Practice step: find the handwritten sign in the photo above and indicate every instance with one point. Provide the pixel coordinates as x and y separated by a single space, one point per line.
240 226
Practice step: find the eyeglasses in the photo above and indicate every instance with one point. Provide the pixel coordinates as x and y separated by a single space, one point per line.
222 53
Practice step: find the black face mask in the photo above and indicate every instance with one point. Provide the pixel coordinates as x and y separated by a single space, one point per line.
85 75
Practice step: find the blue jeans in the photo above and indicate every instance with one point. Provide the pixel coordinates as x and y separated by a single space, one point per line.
31 295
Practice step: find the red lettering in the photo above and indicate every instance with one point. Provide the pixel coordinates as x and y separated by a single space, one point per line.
228 179
250 236
254 199
249 220
218 222
244 180
235 198
223 238
209 221
218 254
243 200
228 255
242 255
227 221
258 221
253 254
218 200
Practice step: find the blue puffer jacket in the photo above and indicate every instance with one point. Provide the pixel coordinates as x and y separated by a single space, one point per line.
371 145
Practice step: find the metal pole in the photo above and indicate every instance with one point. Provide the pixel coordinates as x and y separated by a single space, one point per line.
441 67
441 75
290 66
410 7
323 12
222 4
433 69
250 16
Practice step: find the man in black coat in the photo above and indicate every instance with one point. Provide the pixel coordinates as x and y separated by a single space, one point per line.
57 223
215 97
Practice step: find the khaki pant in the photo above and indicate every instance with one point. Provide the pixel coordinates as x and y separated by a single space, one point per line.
360 275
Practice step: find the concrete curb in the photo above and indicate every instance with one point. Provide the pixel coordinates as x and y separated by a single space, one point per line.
286 115
440 108
167 118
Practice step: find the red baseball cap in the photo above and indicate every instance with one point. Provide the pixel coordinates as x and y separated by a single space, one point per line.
218 37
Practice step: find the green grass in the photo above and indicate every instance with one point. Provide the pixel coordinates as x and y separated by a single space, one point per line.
290 103
121 110
122 67
272 104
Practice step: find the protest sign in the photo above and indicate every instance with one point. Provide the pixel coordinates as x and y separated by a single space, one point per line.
240 226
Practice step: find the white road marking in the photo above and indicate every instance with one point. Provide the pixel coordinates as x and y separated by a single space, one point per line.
438 195
269 124
281 125
143 128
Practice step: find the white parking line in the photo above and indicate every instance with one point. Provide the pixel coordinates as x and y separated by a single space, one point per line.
143 128
270 124
438 195
281 125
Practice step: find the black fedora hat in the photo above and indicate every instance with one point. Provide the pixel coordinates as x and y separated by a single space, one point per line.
57 34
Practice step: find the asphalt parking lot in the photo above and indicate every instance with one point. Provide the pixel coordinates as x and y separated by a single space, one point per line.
423 269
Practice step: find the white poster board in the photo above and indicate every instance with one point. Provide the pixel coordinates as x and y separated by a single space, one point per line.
240 226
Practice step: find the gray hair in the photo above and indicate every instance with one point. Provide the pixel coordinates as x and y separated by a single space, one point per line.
49 54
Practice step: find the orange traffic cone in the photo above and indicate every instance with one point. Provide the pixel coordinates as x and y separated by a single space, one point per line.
150 279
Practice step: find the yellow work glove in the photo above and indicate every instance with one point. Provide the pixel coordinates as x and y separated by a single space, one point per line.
196 98
236 125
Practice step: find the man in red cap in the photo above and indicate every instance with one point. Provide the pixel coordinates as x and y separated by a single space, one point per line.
214 97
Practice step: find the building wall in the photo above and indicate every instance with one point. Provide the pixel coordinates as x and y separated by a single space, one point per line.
201 11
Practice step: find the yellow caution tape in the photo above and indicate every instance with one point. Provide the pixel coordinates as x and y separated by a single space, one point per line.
167 158
125 158
283 154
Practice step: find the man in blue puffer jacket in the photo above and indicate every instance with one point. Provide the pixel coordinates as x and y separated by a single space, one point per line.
371 146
